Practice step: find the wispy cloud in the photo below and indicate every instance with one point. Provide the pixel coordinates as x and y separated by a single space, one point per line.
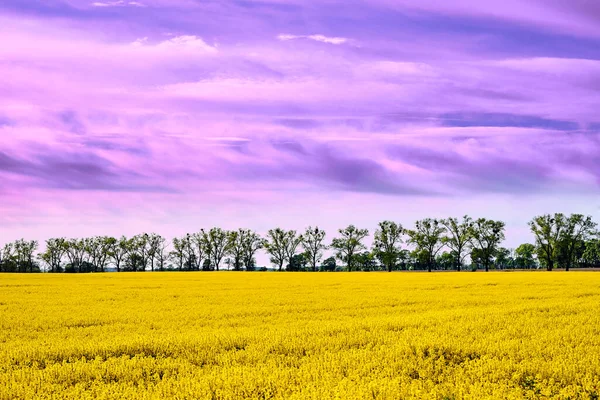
119 3
318 38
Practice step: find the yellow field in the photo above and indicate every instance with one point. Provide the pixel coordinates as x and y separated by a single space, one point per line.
303 335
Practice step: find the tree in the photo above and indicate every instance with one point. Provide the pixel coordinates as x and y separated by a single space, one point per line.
75 249
155 242
139 252
190 252
349 244
547 230
215 241
446 260
427 237
591 254
329 264
119 248
251 244
297 262
524 256
504 258
386 244
458 239
277 246
179 251
98 250
477 258
7 258
404 259
486 235
54 253
235 248
200 247
366 261
24 250
292 245
312 242
578 229
161 253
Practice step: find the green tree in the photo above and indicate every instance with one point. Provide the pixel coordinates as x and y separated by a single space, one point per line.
98 250
547 230
446 260
75 249
7 258
486 236
118 251
161 253
591 254
155 243
235 248
278 245
178 254
24 251
297 262
54 253
386 243
366 261
329 264
577 230
504 258
349 244
251 244
312 242
428 239
292 246
215 241
458 238
524 256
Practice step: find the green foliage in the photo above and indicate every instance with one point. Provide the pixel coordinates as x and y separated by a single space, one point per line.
366 261
427 237
524 256
349 244
386 245
312 242
281 246
297 263
486 236
560 240
329 264
458 238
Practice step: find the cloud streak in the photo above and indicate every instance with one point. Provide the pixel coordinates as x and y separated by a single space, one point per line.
317 38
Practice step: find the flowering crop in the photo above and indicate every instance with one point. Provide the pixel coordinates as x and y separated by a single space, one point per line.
301 336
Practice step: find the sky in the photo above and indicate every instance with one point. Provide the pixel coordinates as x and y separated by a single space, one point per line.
122 117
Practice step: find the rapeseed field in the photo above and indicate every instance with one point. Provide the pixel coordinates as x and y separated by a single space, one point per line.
269 335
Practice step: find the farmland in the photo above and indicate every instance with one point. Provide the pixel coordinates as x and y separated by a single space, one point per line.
260 335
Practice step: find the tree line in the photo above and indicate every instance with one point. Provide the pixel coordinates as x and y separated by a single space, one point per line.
432 244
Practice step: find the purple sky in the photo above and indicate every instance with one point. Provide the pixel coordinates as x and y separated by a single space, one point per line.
172 115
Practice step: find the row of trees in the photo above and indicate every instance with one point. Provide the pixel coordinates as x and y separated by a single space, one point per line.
563 241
